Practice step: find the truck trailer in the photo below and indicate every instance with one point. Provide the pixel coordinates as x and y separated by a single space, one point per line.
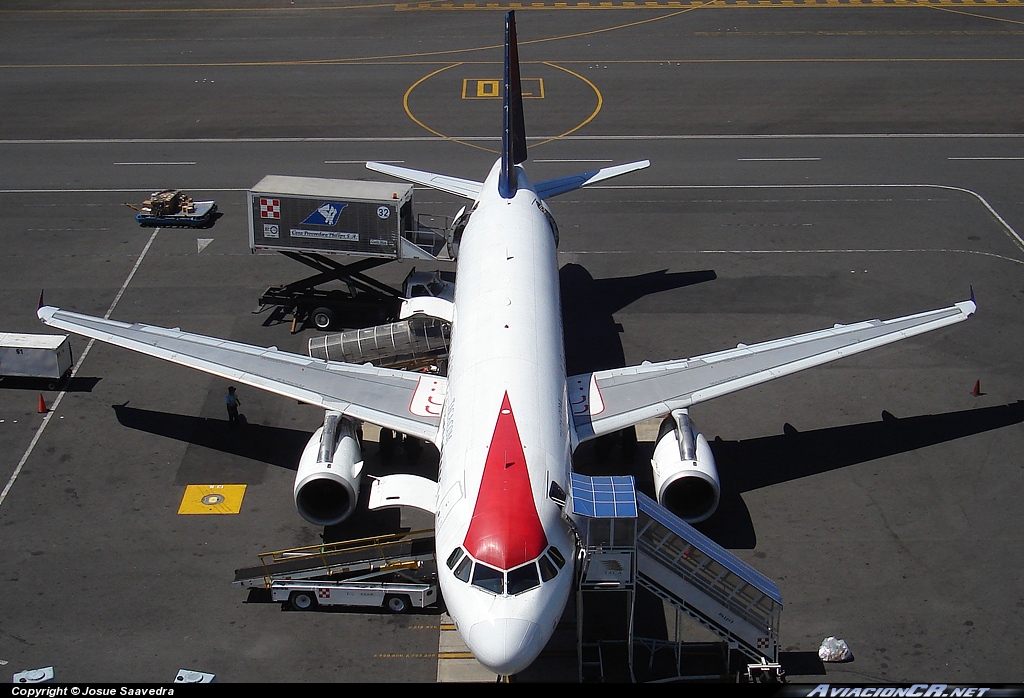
46 356
316 221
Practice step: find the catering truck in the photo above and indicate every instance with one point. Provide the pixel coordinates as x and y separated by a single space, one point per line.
321 222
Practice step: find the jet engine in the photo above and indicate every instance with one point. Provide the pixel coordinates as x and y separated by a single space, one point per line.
685 475
327 484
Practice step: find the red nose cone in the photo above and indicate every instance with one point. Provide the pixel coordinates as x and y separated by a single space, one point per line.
505 530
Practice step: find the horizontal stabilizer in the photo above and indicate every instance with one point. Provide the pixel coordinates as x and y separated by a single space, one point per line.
554 187
453 185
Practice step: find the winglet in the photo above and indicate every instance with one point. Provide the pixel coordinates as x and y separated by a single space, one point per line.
41 304
968 307
513 134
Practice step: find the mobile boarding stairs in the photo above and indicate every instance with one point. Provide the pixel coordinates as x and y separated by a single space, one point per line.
628 540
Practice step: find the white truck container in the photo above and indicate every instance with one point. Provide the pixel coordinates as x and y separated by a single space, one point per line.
333 216
35 356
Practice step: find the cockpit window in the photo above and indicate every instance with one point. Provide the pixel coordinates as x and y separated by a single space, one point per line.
516 581
464 568
488 578
522 578
548 571
454 558
556 556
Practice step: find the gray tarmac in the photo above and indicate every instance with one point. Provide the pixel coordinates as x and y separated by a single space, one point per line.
809 166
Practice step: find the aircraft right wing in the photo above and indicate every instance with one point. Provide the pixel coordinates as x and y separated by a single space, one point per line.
606 401
405 401
453 185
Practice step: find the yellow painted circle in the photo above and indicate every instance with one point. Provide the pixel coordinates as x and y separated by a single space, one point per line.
480 71
212 499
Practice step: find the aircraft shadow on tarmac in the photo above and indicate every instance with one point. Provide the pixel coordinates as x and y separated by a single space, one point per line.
755 463
592 343
751 464
278 446
592 340
281 447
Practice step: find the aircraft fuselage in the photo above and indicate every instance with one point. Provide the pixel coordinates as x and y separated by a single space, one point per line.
505 434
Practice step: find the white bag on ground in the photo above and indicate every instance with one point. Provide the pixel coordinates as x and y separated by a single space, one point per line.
834 650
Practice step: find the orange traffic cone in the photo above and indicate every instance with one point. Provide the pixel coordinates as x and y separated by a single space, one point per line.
42 405
977 388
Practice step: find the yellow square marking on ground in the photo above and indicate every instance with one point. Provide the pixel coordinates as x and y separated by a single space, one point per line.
489 88
212 499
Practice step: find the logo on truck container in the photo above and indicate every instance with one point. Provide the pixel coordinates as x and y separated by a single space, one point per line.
326 214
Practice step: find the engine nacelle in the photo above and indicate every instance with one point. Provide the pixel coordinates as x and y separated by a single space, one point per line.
327 483
685 475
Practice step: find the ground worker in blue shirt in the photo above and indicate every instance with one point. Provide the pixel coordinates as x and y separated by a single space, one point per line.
232 402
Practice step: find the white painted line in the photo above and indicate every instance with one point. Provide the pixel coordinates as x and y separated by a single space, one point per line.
609 160
427 139
986 158
361 162
1007 228
74 371
825 251
155 164
777 159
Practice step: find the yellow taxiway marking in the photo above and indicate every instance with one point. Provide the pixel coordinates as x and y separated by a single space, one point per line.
489 88
212 499
485 89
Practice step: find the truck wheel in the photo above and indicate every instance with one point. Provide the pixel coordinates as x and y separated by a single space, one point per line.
302 600
397 604
323 318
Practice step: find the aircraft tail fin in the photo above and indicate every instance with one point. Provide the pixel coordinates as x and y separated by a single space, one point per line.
513 135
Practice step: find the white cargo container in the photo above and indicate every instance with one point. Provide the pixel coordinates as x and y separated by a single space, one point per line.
35 356
334 216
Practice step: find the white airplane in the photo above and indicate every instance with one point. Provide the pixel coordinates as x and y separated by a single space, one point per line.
505 419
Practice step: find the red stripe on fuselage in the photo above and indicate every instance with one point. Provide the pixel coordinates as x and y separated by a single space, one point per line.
505 530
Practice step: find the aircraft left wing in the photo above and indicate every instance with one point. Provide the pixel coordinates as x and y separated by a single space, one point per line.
406 402
453 185
606 401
